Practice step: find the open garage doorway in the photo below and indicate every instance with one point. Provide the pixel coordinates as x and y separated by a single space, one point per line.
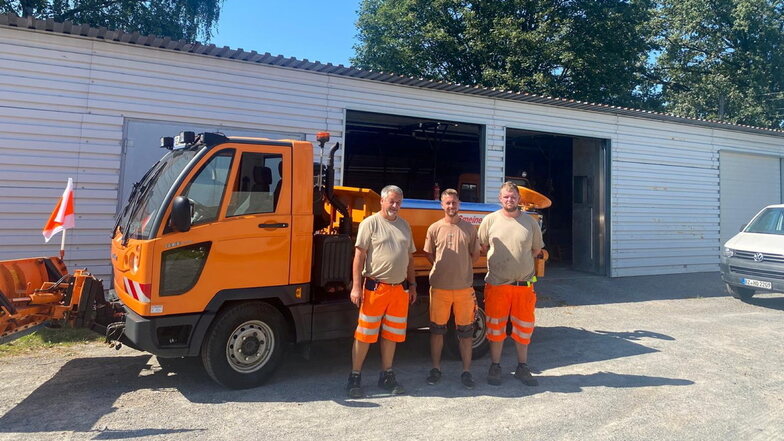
420 155
572 172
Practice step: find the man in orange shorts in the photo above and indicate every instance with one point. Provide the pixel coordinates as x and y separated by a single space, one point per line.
452 247
514 239
383 285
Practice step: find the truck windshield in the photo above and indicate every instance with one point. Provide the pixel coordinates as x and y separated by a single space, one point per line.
149 194
770 221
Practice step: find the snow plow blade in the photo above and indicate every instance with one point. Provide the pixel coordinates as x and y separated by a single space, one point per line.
40 290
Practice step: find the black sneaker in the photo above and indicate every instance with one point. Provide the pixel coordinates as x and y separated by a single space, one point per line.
523 374
494 374
386 380
467 380
354 386
434 376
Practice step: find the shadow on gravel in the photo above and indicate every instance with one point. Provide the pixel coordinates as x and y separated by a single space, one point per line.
85 390
575 289
129 434
577 382
558 346
775 301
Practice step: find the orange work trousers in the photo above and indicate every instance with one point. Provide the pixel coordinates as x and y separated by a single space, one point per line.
384 311
504 303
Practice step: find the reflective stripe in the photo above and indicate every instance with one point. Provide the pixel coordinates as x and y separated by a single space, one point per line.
128 289
399 331
369 318
521 333
496 321
394 319
142 296
367 331
519 322
495 331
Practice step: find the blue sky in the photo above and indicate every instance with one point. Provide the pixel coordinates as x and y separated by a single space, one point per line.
317 30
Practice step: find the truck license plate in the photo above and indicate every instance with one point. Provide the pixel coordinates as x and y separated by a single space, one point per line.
757 283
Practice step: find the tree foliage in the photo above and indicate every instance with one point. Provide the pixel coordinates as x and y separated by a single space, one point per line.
715 59
593 50
723 59
189 20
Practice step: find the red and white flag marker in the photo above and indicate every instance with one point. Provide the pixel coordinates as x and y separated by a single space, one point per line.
62 217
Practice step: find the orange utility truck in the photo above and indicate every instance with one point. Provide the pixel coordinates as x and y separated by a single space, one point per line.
231 248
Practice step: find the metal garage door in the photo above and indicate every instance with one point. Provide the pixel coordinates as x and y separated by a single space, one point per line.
748 183
142 145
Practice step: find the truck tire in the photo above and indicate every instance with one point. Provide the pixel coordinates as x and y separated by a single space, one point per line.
244 345
740 292
480 345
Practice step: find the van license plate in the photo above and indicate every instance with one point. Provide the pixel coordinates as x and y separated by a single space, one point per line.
757 283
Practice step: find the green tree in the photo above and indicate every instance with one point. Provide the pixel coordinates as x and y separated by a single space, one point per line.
723 59
592 50
189 20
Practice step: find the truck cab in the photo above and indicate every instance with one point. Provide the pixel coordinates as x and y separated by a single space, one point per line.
217 223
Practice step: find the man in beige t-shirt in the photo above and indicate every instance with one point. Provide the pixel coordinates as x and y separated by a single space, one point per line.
514 239
383 264
452 247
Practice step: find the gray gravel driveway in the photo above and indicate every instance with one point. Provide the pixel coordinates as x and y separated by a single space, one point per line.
669 357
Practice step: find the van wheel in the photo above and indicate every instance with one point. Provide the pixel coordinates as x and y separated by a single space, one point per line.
244 345
740 292
480 345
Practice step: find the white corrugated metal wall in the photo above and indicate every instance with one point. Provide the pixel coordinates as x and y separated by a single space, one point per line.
748 183
64 99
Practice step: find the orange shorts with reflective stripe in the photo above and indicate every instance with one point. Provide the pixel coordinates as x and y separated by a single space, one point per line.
383 311
504 303
442 301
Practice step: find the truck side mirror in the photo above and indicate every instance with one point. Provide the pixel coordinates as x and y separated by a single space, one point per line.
742 227
181 214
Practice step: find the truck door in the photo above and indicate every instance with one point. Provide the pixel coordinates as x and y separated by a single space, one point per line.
240 235
258 218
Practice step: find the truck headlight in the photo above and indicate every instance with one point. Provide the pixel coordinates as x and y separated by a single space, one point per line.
728 252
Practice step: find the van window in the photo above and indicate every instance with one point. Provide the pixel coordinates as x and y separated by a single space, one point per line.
770 221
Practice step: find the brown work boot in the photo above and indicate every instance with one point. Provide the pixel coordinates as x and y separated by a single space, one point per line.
523 374
494 374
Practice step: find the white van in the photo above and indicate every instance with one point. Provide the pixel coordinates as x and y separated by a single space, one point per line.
753 260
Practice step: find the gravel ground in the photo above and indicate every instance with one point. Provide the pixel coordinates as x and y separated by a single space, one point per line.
669 357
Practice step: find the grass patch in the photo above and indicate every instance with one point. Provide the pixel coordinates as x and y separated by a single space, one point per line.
44 338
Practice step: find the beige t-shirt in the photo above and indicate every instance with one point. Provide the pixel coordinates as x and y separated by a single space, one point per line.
451 246
511 241
388 245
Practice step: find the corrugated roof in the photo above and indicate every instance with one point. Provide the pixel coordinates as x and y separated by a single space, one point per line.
152 41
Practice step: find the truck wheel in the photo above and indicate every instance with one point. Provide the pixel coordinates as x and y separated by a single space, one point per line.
244 345
739 292
480 345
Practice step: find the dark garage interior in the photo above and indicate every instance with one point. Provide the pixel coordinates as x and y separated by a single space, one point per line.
546 159
419 155
424 156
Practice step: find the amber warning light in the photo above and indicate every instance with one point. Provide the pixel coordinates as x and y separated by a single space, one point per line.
322 137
